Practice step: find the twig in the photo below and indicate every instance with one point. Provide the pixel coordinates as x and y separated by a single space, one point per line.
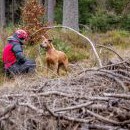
8 109
125 88
116 75
108 48
125 96
66 117
100 127
122 62
74 107
101 118
57 94
122 72
39 111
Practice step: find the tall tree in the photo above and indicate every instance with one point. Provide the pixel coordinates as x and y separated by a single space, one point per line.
2 13
45 4
50 11
41 2
71 14
13 11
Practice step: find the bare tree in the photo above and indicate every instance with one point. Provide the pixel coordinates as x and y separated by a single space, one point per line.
2 13
71 14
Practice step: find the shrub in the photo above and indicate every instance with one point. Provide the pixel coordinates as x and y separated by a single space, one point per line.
73 52
104 21
117 5
126 22
32 15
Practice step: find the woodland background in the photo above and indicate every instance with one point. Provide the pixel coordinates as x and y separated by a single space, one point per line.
98 15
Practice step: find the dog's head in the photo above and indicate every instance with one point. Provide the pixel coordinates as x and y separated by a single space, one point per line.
46 43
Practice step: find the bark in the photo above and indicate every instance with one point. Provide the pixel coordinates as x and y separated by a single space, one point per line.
13 11
40 2
50 11
2 13
45 6
70 14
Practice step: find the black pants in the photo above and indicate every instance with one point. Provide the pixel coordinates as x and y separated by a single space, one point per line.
16 69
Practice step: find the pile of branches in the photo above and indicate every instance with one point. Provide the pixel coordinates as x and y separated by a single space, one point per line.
97 98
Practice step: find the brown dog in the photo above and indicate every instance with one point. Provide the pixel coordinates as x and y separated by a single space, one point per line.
53 56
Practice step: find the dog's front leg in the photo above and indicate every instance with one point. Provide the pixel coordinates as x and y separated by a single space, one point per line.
56 68
48 67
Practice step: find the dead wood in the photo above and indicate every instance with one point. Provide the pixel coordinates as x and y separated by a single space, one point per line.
100 127
110 49
124 96
8 110
98 97
74 107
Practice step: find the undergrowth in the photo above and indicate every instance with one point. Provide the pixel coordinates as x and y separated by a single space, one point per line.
76 48
113 38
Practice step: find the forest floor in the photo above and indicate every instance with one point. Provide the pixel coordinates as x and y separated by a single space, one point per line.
88 98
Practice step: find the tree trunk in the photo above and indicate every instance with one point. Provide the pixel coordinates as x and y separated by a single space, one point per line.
12 8
50 11
45 6
2 13
40 2
70 14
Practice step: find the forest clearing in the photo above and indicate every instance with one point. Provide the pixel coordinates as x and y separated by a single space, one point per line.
94 94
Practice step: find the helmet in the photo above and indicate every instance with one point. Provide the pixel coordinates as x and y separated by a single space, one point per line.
21 34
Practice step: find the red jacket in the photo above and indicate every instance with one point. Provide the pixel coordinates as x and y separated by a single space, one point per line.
12 53
8 56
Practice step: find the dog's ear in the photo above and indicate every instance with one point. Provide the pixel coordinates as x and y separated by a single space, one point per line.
49 40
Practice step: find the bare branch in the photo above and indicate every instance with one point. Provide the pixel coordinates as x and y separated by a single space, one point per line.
8 110
110 49
66 117
74 107
124 96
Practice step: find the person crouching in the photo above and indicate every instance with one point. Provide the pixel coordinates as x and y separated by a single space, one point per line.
14 60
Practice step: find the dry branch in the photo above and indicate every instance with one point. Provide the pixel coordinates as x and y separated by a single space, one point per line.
56 93
74 119
8 110
116 75
116 64
110 49
114 78
89 97
100 127
74 107
124 96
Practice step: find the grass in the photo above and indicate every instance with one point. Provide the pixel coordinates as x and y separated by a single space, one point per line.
114 38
